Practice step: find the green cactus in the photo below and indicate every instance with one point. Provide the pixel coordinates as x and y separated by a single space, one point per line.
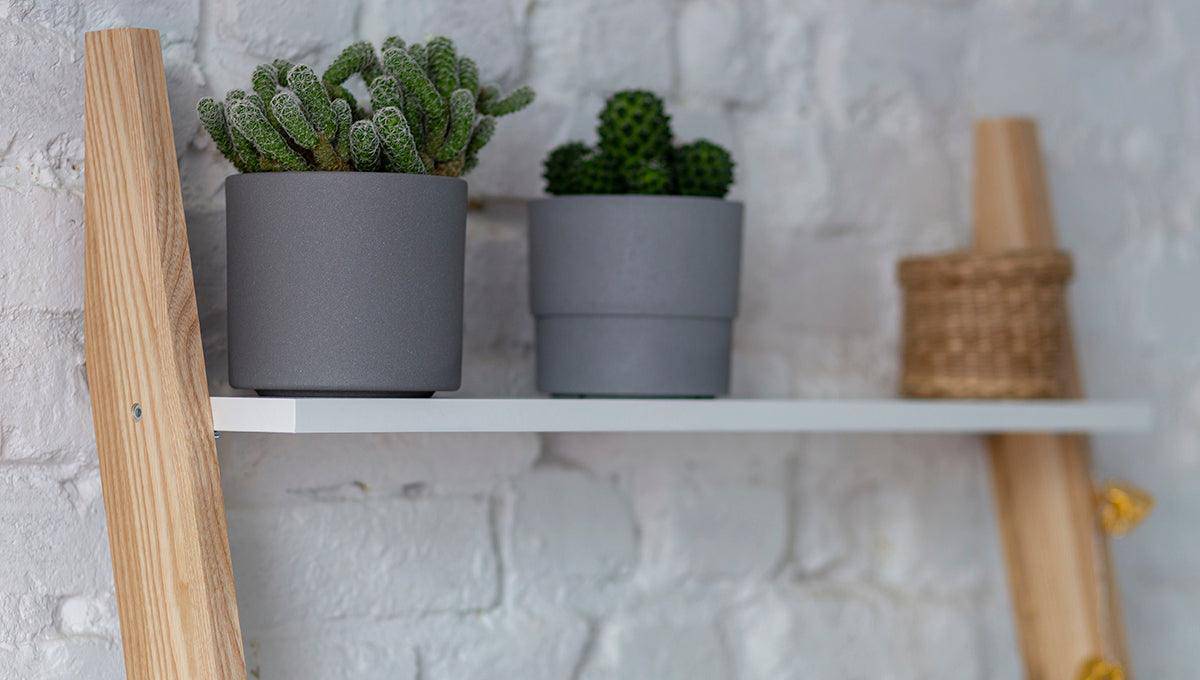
515 101
364 146
282 67
265 83
462 115
561 166
357 57
468 75
634 155
317 106
598 173
212 117
250 120
416 84
647 177
392 42
289 115
442 65
426 113
345 118
634 125
399 148
703 169
385 92
480 136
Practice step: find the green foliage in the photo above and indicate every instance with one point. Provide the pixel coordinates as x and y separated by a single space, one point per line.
634 125
425 113
703 169
468 75
250 120
385 92
289 115
364 146
634 155
515 101
399 149
480 136
442 65
560 166
647 177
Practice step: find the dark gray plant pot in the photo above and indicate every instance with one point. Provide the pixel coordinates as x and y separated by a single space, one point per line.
634 295
345 283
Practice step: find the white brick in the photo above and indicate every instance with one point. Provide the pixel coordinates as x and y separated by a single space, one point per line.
720 58
489 31
627 43
362 559
50 547
782 172
262 470
711 528
633 647
530 643
48 224
868 510
63 660
329 657
277 28
815 632
23 617
81 615
44 407
567 525
176 19
41 122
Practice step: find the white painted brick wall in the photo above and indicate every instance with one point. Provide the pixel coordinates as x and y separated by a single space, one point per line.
454 557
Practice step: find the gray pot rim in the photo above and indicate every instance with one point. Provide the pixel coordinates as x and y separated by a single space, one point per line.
638 198
403 176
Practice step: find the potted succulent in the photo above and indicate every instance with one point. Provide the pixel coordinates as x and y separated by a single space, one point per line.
634 263
346 225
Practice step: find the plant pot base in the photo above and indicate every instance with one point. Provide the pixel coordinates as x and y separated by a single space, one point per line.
609 356
342 394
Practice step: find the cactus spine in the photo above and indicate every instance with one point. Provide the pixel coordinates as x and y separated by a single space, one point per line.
428 113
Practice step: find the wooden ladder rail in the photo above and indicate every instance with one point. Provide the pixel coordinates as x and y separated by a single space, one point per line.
145 367
1064 598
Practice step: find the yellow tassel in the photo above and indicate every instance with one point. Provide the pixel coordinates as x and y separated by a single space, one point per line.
1099 669
1122 507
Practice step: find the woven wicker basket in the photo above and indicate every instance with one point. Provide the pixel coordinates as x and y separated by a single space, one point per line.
984 326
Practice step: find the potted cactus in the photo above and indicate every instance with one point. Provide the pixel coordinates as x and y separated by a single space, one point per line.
346 225
635 261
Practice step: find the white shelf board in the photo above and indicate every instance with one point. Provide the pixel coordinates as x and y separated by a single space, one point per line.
314 415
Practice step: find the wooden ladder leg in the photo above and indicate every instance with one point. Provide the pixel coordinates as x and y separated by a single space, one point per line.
150 407
1064 598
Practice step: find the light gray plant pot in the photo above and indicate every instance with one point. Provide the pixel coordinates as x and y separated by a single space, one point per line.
634 295
345 283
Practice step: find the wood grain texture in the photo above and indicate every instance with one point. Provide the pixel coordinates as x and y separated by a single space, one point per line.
1065 601
162 493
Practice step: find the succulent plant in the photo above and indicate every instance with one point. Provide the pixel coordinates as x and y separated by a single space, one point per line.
635 156
647 177
634 125
702 169
427 113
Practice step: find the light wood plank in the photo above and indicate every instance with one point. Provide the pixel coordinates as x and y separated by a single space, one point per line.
1060 573
162 493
